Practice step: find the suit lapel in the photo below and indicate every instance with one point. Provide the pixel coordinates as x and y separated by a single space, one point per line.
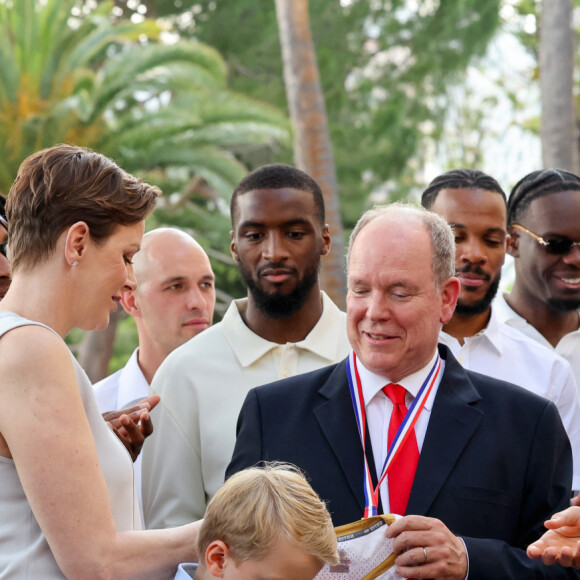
336 418
453 421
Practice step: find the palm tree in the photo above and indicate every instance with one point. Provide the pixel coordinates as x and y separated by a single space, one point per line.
559 127
66 75
161 110
312 148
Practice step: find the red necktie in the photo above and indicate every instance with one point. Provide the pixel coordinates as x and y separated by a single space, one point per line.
402 470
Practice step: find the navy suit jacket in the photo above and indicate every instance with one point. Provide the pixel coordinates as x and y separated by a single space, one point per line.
495 463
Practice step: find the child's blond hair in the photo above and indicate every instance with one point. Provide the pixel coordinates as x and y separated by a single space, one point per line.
259 505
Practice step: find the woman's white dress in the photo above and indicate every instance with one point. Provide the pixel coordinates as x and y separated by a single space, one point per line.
24 552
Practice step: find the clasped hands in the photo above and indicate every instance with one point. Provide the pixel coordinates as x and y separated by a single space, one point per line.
426 548
133 425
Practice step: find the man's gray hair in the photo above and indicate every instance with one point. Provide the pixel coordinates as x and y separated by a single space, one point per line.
441 234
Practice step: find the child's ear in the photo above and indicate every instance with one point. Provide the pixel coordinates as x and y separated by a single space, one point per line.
215 558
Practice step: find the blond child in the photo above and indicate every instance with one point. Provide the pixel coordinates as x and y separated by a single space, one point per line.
264 522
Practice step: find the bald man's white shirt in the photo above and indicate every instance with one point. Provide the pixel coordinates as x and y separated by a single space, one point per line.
123 389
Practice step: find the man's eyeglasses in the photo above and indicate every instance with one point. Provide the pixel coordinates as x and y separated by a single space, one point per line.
556 246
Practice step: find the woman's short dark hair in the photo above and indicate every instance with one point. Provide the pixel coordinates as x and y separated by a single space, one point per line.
65 184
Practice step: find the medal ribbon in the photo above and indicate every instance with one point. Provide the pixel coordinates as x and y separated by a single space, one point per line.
405 429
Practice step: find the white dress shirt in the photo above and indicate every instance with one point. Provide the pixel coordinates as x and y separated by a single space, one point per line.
568 347
203 385
379 407
123 389
504 353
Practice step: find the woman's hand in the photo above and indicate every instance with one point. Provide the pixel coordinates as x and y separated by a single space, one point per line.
561 543
133 425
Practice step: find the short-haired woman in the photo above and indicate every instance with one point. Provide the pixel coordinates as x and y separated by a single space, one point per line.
67 501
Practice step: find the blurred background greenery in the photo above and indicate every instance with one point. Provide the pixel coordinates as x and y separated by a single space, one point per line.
191 94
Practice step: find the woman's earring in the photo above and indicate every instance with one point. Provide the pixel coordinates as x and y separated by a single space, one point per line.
75 263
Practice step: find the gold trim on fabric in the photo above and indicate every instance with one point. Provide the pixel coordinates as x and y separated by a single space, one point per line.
361 525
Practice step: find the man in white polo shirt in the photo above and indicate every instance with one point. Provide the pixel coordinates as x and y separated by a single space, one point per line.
285 327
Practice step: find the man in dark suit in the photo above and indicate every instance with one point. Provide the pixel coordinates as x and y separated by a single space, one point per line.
484 462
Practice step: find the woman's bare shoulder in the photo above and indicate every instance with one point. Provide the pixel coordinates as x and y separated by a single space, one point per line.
31 342
33 355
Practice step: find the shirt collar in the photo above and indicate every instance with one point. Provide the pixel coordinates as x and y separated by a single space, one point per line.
491 333
504 312
248 347
373 383
509 316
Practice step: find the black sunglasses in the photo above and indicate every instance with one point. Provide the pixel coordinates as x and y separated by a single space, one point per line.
556 246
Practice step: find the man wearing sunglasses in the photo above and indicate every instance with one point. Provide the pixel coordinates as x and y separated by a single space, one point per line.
544 224
474 205
4 264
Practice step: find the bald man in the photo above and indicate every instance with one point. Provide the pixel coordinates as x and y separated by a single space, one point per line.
173 302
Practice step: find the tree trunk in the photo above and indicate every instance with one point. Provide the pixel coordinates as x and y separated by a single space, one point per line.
96 348
559 133
312 148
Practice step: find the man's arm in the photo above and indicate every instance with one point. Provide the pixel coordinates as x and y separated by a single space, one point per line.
172 481
568 404
547 490
548 457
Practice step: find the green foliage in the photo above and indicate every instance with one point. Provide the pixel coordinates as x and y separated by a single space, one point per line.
385 69
523 21
71 74
126 340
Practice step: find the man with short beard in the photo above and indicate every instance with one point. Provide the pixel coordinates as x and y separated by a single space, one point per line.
474 205
544 224
286 326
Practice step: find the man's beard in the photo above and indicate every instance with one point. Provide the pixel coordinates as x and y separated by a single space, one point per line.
277 305
481 306
563 304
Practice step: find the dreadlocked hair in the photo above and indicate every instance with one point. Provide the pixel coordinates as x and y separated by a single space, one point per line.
459 179
538 184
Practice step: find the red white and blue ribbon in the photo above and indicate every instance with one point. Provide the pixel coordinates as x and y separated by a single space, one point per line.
405 429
